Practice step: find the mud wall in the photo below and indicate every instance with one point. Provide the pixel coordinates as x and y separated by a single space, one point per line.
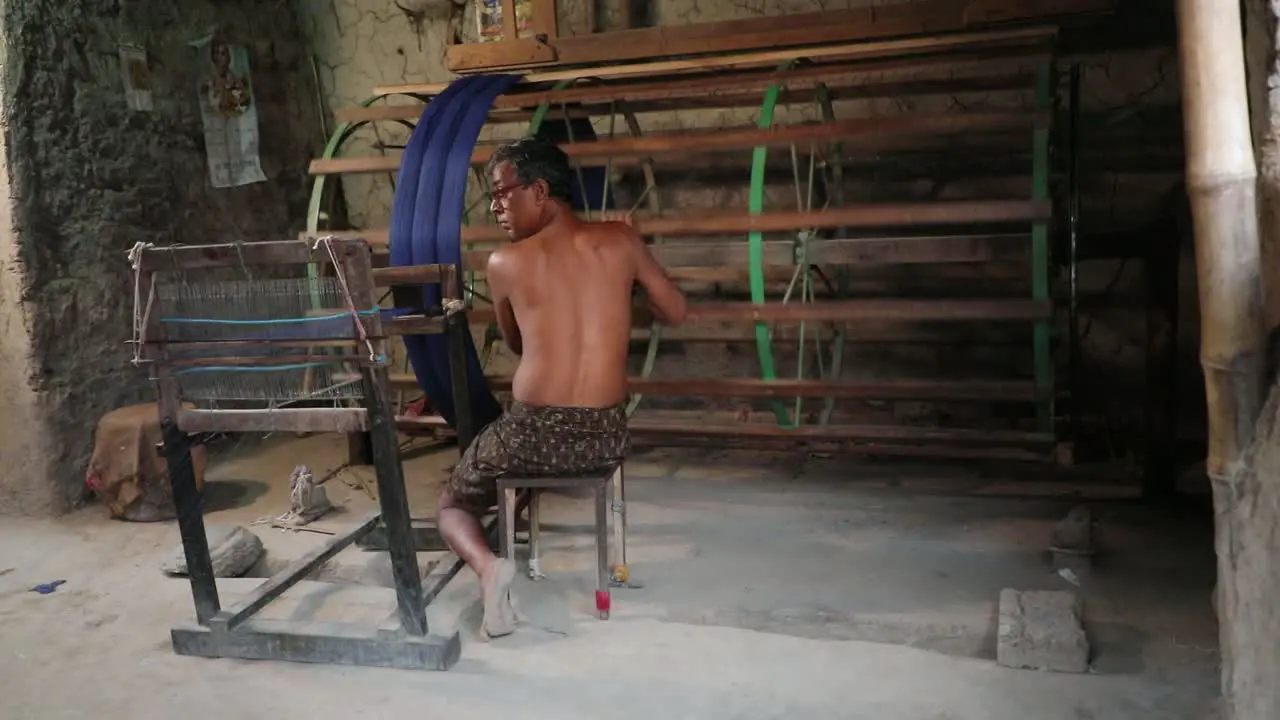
90 178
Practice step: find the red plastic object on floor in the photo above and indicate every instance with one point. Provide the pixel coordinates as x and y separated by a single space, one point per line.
602 603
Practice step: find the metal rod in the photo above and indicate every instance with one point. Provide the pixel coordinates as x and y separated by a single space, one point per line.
187 502
1074 359
1040 250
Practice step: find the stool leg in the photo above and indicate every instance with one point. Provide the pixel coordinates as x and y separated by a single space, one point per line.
602 553
535 534
506 521
620 574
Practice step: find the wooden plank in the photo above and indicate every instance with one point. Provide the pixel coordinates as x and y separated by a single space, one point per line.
693 260
338 420
845 51
545 22
886 215
296 571
509 31
518 53
274 252
414 325
862 333
814 433
846 310
871 78
670 100
685 144
642 435
260 361
408 275
357 269
871 129
1012 391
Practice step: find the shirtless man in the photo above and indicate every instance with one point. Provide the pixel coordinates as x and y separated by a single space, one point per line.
562 294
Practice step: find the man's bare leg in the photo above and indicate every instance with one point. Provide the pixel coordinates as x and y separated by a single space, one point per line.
464 535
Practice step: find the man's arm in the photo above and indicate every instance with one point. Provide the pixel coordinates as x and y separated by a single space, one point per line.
495 272
665 299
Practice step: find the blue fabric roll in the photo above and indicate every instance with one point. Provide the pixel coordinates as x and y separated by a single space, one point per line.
448 129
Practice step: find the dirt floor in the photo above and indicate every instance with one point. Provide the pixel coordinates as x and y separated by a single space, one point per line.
772 588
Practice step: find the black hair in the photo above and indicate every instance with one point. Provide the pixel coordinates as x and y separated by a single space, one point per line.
534 158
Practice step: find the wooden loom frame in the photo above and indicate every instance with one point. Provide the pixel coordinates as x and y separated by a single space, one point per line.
404 639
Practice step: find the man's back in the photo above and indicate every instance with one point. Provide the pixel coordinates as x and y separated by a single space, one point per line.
570 291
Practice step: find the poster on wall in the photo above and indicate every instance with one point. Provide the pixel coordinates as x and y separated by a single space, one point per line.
137 78
230 114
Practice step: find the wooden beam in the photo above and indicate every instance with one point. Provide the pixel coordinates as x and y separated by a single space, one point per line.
721 437
846 310
719 91
274 252
845 51
679 255
862 333
813 433
951 212
1008 391
338 420
876 79
862 129
413 325
411 275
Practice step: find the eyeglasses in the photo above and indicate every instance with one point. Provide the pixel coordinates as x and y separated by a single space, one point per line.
500 194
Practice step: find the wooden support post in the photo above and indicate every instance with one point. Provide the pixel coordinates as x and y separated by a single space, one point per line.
1221 179
1221 185
457 331
357 268
187 503
394 503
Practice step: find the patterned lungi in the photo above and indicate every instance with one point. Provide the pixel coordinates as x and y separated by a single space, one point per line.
534 440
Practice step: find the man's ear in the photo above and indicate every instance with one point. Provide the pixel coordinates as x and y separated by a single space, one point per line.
541 190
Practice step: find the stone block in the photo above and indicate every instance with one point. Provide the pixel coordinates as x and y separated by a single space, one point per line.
1042 630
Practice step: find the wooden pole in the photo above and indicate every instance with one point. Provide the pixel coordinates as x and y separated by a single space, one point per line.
1221 186
1221 180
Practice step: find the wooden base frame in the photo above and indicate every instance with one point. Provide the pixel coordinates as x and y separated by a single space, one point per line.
403 640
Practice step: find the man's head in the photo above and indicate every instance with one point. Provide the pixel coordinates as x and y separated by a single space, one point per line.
530 179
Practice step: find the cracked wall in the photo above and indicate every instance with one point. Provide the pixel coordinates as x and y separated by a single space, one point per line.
1131 163
89 178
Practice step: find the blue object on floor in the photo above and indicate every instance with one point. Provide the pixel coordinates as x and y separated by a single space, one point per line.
47 588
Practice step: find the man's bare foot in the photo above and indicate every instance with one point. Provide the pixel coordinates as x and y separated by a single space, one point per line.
499 613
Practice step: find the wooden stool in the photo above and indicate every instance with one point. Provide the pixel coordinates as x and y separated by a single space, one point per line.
605 484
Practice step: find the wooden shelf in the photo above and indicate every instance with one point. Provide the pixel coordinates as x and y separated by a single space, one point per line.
814 50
